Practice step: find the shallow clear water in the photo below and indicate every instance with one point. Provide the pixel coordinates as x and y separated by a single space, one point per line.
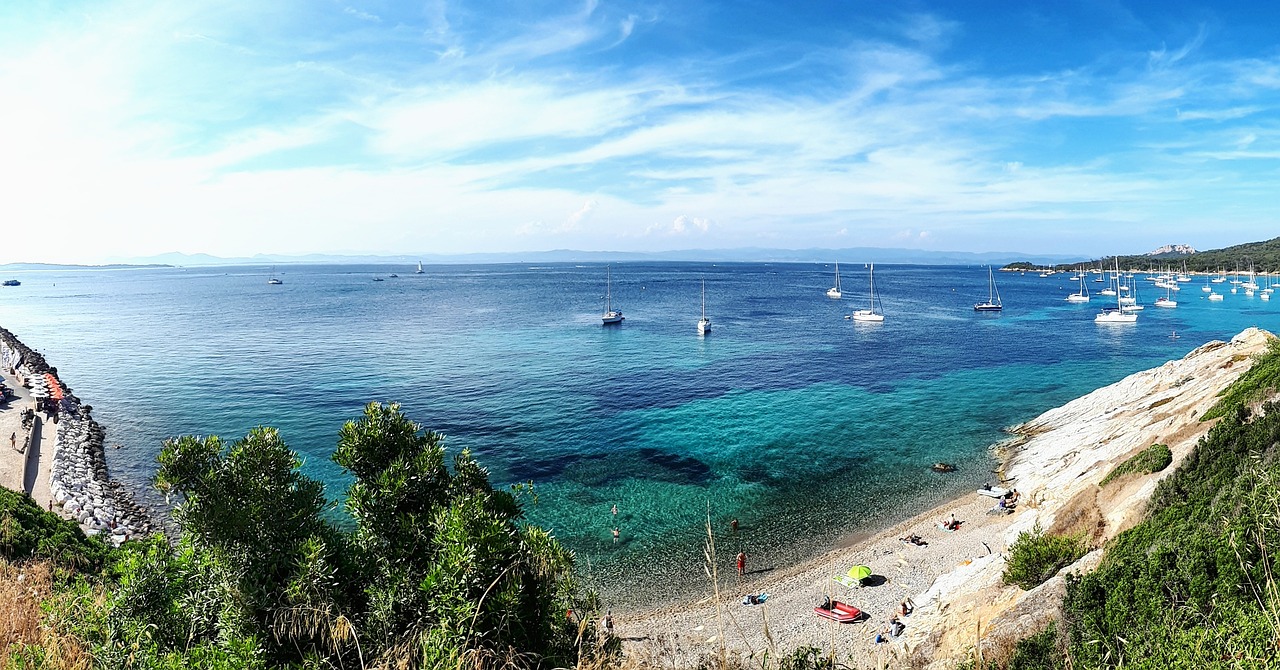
805 426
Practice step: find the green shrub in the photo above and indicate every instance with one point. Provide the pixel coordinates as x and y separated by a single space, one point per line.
1036 556
1256 382
26 532
1150 460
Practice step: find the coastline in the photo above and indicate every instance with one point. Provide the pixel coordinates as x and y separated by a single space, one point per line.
61 460
1055 460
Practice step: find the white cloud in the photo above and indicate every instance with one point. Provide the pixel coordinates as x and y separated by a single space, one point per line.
170 114
680 226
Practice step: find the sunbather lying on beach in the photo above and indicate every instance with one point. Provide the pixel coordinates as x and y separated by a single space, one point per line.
913 539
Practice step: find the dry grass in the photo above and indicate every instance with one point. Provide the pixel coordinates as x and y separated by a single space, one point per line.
1081 516
23 587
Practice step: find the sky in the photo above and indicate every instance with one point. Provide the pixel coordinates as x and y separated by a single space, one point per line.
236 127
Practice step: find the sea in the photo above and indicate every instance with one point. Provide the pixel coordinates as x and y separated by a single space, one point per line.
808 428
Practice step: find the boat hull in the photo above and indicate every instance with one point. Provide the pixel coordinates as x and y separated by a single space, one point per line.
987 307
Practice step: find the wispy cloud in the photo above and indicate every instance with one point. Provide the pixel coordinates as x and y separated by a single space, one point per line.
457 129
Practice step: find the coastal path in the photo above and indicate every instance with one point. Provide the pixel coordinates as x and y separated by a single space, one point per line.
26 468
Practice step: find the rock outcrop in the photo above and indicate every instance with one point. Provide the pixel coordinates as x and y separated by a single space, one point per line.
1057 464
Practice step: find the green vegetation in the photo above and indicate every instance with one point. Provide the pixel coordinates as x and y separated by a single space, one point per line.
436 569
1194 584
1257 382
1150 460
29 532
1036 556
1020 265
1037 652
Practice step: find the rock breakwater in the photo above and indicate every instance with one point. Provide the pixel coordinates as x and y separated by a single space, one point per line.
79 482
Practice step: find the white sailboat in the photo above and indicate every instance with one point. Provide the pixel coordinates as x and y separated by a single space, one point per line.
870 314
704 324
274 280
993 303
1167 300
611 316
1080 296
834 291
1116 314
419 270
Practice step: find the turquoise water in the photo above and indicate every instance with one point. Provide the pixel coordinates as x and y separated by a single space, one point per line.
805 426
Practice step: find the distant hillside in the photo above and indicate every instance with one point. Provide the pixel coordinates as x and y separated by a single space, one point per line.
1263 256
748 254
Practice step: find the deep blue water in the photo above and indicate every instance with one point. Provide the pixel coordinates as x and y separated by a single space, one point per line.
805 426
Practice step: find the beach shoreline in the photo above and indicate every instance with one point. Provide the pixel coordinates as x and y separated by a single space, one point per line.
1056 461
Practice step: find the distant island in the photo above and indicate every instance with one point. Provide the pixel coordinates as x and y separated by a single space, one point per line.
75 266
1259 256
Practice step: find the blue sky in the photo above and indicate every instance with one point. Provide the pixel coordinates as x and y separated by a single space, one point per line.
238 127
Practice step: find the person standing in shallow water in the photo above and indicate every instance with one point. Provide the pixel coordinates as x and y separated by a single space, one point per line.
616 533
742 563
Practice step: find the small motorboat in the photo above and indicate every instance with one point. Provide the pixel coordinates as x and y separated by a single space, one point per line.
837 611
993 491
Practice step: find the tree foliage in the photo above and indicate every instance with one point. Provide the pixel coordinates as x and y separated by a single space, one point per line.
437 569
1035 556
27 531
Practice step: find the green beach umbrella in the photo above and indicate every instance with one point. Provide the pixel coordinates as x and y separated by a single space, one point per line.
860 572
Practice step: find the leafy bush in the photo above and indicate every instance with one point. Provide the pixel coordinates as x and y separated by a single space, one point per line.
1193 583
1036 556
438 569
1261 378
1150 460
26 532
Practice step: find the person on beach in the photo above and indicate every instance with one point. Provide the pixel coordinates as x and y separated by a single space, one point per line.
1013 497
616 534
733 525
906 608
896 627
608 621
742 563
13 440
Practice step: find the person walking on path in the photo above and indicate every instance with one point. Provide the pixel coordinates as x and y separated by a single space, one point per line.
742 563
13 440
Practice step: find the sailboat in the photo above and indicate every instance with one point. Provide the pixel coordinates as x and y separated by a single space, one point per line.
1167 300
834 291
419 270
870 314
704 324
1116 314
1082 295
611 316
274 280
993 303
